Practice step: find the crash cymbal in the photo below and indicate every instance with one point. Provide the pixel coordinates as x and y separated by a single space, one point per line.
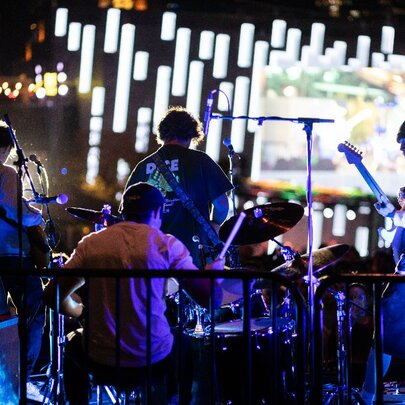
298 268
263 222
97 217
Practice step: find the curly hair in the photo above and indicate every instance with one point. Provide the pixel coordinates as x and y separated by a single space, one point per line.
5 138
178 123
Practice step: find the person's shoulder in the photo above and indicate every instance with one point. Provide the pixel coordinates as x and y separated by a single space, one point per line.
8 170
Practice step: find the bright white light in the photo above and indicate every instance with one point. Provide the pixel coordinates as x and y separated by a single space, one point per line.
339 220
38 79
293 43
74 36
256 156
62 76
168 31
63 90
38 69
213 145
59 66
93 164
248 204
97 101
96 124
195 78
123 78
317 221
221 56
259 61
162 93
240 107
363 50
123 170
141 65
40 93
112 29
341 48
61 22
225 103
361 240
86 58
328 212
317 38
246 38
278 33
143 129
350 215
387 39
181 57
206 48
94 138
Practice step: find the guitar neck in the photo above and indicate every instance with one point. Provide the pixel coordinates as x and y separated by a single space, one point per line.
375 188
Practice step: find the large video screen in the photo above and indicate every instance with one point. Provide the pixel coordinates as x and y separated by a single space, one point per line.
367 107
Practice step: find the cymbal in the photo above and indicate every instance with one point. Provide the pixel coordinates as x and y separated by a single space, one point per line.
97 217
263 222
322 258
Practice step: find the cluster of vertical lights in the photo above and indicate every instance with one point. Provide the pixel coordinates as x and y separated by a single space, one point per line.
185 78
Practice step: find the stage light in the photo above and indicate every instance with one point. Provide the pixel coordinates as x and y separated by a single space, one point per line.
168 31
221 56
74 36
121 102
161 94
4 85
240 108
97 101
260 56
61 22
63 90
18 86
143 129
387 39
112 30
206 46
194 88
141 65
278 31
40 93
86 58
246 38
181 58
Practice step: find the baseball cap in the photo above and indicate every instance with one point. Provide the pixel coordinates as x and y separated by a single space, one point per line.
140 198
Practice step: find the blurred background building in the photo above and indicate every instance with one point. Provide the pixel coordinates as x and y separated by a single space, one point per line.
85 83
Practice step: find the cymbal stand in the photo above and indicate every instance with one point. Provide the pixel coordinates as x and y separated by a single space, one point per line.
54 387
340 394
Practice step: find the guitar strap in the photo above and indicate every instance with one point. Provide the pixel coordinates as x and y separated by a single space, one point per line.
185 199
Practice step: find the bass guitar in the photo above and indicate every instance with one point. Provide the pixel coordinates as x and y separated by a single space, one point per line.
354 156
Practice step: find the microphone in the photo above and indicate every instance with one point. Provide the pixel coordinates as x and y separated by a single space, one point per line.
228 144
58 199
208 112
34 159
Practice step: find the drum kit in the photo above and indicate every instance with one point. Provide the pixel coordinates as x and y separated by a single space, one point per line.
262 223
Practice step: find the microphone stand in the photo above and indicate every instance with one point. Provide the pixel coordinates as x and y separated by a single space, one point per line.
20 163
308 124
234 258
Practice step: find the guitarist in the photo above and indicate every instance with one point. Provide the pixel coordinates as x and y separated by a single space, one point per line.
393 297
201 179
9 259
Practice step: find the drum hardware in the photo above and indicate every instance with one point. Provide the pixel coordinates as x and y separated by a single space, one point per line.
103 217
339 391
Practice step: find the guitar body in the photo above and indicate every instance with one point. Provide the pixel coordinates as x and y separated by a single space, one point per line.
39 246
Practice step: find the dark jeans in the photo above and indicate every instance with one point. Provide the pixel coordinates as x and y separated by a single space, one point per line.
80 372
34 308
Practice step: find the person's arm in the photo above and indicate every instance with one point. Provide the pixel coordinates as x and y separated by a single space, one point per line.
70 303
220 207
387 209
199 289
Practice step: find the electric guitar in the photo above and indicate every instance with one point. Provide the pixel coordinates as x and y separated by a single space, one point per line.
354 156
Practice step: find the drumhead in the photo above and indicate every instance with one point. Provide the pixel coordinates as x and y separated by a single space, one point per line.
236 325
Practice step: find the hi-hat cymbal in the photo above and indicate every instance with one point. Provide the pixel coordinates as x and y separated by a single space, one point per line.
97 217
263 222
322 258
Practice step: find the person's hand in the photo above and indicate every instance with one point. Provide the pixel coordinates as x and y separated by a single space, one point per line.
385 208
217 264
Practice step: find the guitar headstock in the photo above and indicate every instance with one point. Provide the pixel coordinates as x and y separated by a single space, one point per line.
352 153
